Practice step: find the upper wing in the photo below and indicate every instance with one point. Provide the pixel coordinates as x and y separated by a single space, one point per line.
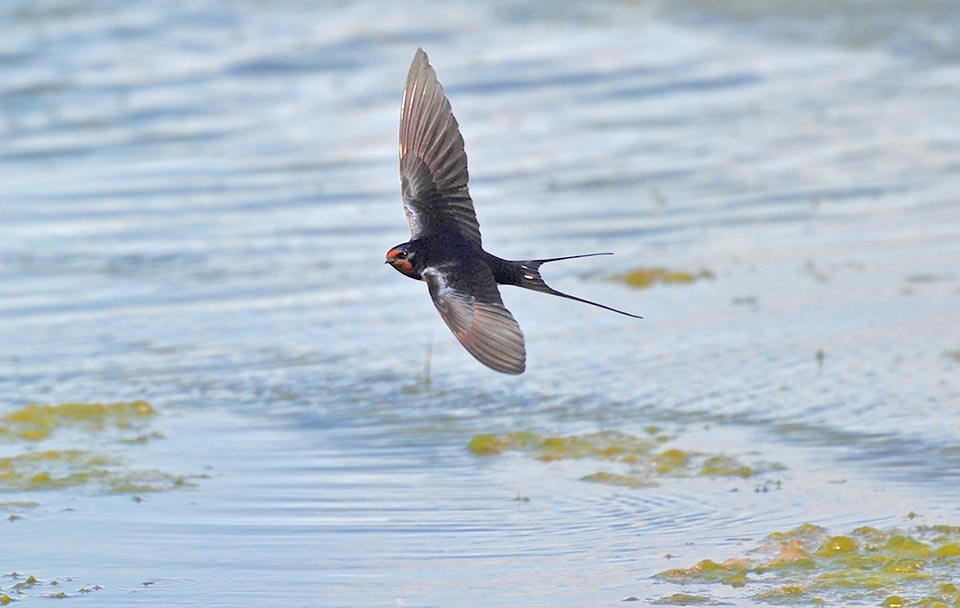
470 304
433 164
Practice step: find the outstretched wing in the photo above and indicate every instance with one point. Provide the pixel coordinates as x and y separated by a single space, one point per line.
467 298
433 163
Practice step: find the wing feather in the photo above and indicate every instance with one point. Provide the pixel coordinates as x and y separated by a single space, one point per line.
469 303
433 162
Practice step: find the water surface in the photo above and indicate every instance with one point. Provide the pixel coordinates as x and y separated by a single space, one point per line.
196 202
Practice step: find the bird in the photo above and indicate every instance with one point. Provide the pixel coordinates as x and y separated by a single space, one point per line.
445 249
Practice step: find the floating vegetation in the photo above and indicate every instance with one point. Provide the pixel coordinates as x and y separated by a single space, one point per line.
808 565
17 505
685 599
731 572
616 479
642 278
124 424
643 458
725 466
55 469
39 422
606 445
15 586
924 277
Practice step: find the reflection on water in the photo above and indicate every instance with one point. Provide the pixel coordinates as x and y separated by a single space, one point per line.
196 203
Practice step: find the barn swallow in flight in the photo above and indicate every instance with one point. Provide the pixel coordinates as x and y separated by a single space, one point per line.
445 249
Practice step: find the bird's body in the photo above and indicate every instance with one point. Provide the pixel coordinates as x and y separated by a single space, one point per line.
446 250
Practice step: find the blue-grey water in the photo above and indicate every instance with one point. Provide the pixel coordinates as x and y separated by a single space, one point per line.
195 200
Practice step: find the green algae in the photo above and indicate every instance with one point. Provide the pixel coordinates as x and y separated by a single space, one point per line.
731 572
792 556
642 278
837 545
685 599
642 457
14 505
947 594
671 461
725 466
488 445
26 587
803 533
604 445
947 550
42 468
58 469
38 422
617 479
786 594
908 547
807 564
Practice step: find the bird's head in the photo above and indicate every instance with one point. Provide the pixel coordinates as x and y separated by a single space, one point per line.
403 258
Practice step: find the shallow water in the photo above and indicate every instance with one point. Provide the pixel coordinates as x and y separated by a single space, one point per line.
196 202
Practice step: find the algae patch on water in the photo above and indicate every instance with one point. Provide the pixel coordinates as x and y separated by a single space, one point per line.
15 587
640 459
642 278
808 565
110 427
685 599
55 469
38 422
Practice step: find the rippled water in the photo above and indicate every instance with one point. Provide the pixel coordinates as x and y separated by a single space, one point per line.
197 198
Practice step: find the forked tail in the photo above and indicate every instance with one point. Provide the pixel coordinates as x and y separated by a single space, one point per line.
529 278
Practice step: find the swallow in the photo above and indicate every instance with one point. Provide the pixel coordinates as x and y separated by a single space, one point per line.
445 249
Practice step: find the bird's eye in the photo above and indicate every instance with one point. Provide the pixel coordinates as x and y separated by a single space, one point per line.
401 255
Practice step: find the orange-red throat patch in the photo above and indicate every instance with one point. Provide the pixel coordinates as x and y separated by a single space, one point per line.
403 266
